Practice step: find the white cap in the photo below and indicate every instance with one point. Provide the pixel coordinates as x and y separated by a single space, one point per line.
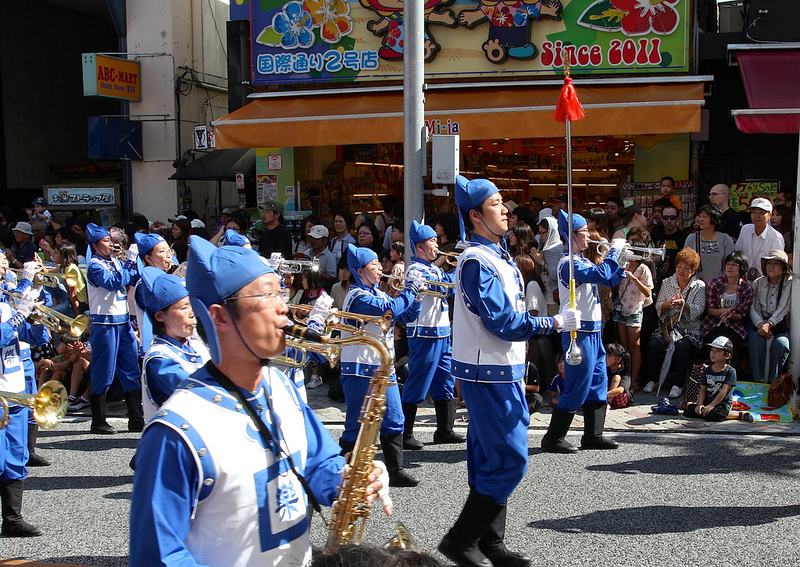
761 203
197 223
318 231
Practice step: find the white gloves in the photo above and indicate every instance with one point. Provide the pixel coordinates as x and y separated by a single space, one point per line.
619 244
275 260
323 309
383 493
415 281
29 270
24 304
569 319
133 253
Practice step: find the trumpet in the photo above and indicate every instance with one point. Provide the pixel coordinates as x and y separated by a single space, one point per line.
49 405
429 283
122 255
52 319
300 313
292 266
45 279
639 252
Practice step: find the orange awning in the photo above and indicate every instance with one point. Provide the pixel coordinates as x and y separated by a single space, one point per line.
621 107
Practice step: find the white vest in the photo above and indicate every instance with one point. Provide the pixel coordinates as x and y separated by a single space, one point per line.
361 360
107 306
478 354
164 349
434 320
587 299
13 377
251 510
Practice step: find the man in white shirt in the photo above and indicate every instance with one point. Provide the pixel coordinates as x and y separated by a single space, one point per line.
758 239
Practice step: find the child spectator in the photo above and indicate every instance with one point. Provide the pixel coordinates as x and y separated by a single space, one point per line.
39 211
618 365
667 187
532 388
556 385
635 293
716 387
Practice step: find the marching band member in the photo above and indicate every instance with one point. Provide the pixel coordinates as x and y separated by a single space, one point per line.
585 384
490 327
174 353
429 355
14 437
359 362
113 343
226 469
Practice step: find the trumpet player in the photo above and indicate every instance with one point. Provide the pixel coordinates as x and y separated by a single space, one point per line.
490 327
586 383
114 347
358 363
227 468
429 351
14 452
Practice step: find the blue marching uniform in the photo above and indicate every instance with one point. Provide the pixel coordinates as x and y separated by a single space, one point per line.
200 458
588 381
490 327
167 363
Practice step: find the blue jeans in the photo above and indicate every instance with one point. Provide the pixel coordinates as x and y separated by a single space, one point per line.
757 349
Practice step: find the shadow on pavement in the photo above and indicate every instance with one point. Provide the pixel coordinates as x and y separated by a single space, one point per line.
76 482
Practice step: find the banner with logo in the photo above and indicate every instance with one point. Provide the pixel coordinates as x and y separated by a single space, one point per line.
303 41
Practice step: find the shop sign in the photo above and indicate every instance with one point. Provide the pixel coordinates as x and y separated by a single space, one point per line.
81 196
111 77
339 40
743 193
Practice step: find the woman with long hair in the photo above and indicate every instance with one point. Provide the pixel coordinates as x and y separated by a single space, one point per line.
448 232
783 221
596 219
181 230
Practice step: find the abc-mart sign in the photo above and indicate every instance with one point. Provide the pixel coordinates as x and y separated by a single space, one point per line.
341 41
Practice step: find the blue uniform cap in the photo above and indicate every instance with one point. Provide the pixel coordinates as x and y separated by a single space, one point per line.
214 274
357 258
95 233
146 242
157 290
470 194
563 223
421 232
233 238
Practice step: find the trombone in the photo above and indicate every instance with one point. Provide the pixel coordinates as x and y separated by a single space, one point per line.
639 252
430 283
52 319
49 405
300 313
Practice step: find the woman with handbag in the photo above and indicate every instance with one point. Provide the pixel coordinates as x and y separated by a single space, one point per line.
769 317
680 305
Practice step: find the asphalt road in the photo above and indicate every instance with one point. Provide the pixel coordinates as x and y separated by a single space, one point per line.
660 500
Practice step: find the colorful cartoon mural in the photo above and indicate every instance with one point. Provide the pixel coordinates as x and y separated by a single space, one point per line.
342 40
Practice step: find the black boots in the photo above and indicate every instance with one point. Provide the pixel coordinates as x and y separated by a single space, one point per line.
99 423
13 524
133 401
392 446
554 440
594 418
445 416
461 544
34 459
409 442
492 546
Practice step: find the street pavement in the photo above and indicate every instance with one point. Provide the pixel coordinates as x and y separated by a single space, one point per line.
677 492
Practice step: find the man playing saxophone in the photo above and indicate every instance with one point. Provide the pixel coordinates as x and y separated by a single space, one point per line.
226 469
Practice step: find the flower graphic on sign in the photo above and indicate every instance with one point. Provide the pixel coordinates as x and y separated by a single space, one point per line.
332 17
632 17
394 37
296 25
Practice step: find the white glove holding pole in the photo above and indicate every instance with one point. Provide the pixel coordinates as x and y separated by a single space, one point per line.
569 319
30 269
24 303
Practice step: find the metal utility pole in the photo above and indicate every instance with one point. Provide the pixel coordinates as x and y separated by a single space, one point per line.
414 135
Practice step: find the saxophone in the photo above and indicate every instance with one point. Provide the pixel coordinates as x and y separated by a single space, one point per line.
350 511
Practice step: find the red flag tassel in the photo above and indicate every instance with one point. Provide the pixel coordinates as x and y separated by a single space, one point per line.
568 104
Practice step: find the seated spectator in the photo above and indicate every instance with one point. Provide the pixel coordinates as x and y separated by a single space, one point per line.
728 301
556 385
715 399
769 317
532 388
72 361
618 365
710 243
680 305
